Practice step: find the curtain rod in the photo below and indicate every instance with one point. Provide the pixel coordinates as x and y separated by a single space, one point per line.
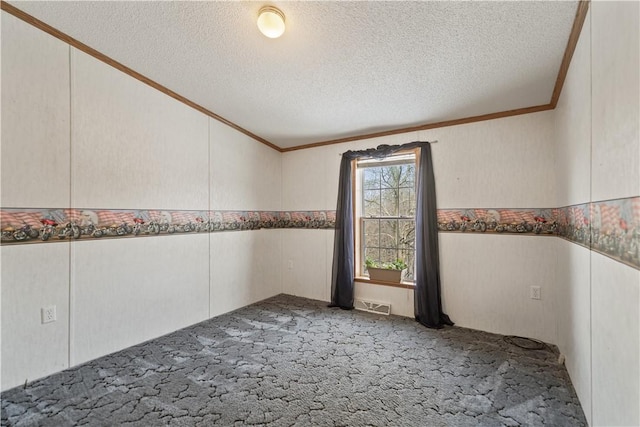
430 142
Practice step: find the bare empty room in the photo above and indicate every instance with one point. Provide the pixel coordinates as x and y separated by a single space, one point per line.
315 213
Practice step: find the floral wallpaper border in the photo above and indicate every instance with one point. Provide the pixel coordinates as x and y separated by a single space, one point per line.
508 221
21 226
610 227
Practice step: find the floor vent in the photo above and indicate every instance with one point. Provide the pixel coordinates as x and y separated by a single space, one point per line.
373 307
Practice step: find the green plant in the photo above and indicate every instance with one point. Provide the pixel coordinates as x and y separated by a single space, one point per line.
369 263
395 265
398 265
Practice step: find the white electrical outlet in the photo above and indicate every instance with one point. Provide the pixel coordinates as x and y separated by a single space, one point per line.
48 314
290 265
535 292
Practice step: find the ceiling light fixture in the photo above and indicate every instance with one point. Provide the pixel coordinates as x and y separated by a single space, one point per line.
271 22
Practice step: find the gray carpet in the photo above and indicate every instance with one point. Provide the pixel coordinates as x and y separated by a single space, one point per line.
292 361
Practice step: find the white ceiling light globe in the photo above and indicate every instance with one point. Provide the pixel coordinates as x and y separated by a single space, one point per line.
271 22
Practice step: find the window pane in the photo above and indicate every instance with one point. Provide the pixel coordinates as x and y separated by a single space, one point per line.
389 202
406 234
388 255
371 177
407 202
390 176
388 233
408 258
372 203
408 176
388 191
371 233
372 253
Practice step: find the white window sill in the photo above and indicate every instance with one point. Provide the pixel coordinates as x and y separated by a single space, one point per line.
404 285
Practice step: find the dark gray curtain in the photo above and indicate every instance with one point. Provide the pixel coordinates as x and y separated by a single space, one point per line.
343 253
427 302
428 306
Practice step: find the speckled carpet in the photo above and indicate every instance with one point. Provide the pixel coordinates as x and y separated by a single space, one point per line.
292 361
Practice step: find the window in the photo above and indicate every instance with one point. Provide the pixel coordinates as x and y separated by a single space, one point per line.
386 211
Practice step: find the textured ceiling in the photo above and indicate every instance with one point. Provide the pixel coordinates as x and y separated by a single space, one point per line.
341 68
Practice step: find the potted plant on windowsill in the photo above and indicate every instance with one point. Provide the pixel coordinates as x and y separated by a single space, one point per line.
386 272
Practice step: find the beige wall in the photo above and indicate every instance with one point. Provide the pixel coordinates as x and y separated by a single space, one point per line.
615 166
78 133
598 158
506 163
35 171
573 186
589 152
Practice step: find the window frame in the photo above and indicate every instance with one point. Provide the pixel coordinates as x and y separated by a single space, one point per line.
358 212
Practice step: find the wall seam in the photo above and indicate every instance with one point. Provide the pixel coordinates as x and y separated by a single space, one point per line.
283 264
70 200
69 287
280 234
590 219
209 205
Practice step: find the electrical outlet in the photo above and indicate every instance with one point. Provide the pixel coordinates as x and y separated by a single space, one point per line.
290 264
535 292
48 314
